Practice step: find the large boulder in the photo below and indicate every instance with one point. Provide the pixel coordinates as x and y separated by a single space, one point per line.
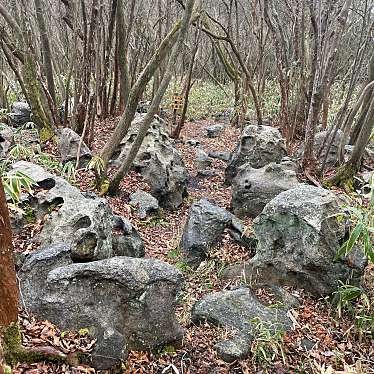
6 139
20 114
240 312
299 233
159 162
258 146
82 220
253 188
68 144
204 230
125 303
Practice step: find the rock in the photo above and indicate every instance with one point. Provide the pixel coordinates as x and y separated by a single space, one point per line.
145 203
214 131
319 141
83 221
36 267
258 146
253 188
159 162
68 143
237 311
20 114
127 242
224 156
288 163
28 136
6 139
202 160
299 234
193 143
143 106
125 303
204 229
206 173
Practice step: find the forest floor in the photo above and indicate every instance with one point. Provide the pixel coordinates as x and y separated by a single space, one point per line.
330 341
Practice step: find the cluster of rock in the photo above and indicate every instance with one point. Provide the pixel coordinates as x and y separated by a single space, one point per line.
159 162
298 233
84 269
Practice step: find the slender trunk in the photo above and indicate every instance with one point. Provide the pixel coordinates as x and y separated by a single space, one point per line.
8 282
47 54
125 167
135 94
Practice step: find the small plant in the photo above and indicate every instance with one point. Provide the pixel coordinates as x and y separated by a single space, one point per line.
69 172
267 344
47 161
362 222
15 183
21 152
96 164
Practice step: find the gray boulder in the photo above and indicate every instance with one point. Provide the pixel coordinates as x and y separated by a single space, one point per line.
299 234
239 311
322 139
204 229
224 156
126 240
68 143
125 303
145 203
6 139
215 130
202 161
159 162
20 114
83 221
258 146
253 188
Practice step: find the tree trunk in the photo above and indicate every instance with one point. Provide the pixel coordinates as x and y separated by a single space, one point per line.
125 167
134 96
47 55
8 283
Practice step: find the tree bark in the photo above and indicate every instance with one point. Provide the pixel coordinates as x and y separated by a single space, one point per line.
125 167
8 282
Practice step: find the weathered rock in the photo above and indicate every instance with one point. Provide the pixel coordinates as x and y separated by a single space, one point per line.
35 268
28 136
204 229
202 160
68 143
322 140
258 146
20 114
299 234
193 143
126 240
126 303
159 162
224 156
145 203
215 130
206 173
238 311
253 188
6 139
83 220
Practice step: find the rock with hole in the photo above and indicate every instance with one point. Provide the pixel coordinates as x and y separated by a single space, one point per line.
159 162
253 188
258 146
